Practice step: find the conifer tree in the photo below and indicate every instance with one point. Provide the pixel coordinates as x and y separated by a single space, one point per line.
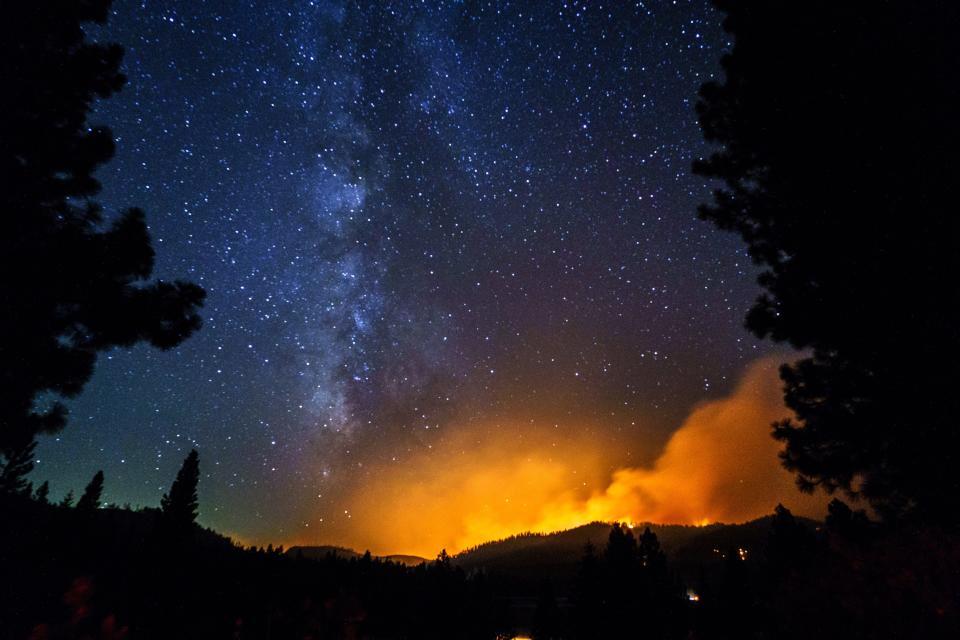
13 474
620 552
180 505
656 594
843 521
649 553
90 499
620 557
42 494
75 282
836 135
588 596
789 543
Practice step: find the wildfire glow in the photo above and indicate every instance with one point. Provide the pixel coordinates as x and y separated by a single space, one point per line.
720 465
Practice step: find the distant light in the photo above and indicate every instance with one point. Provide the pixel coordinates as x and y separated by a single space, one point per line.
693 596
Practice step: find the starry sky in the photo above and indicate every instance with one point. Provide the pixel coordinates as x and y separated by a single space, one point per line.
414 221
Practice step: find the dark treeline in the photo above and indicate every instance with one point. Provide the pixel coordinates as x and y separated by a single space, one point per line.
849 578
74 281
96 571
89 571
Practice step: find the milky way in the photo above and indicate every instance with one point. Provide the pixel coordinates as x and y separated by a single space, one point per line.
408 217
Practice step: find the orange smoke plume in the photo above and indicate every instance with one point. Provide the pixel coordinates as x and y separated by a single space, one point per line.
720 465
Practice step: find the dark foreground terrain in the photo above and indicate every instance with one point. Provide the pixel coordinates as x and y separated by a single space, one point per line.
118 573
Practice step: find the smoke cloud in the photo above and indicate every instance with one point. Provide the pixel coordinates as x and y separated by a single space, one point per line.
720 465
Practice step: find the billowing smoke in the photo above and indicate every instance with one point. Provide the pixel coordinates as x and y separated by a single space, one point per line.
720 465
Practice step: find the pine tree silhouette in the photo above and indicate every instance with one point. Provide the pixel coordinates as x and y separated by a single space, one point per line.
77 284
649 554
620 557
789 543
42 494
90 499
621 549
180 506
657 597
588 598
837 134
843 521
14 472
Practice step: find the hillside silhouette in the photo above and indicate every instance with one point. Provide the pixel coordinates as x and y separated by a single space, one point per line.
116 572
532 557
320 552
556 555
101 571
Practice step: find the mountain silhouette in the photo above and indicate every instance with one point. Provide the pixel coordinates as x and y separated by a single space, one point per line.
530 558
320 552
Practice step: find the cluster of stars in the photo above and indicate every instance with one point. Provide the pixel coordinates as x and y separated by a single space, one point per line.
406 215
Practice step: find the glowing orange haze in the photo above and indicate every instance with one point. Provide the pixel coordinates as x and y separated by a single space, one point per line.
720 465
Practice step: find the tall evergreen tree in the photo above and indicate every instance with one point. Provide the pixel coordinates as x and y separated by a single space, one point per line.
180 506
13 473
649 554
837 134
658 598
90 499
72 283
621 549
843 521
588 598
789 543
42 494
620 558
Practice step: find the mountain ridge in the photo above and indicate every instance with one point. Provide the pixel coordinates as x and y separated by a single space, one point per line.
687 546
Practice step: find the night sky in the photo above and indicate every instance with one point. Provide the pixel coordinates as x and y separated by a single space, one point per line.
414 221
